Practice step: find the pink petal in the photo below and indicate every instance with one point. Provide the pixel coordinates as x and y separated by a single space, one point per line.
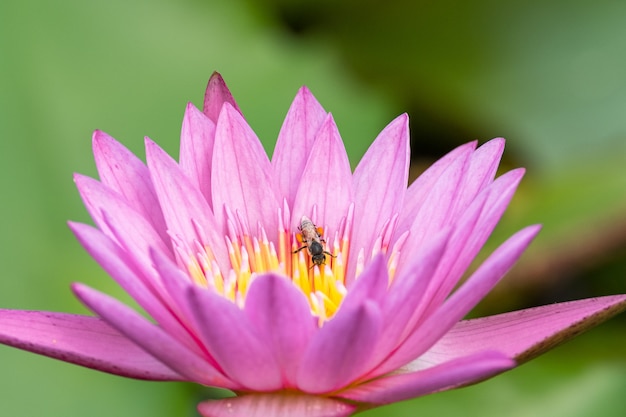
196 149
146 290
281 315
462 301
371 284
230 339
276 405
403 306
217 93
176 284
295 140
472 231
528 333
481 172
326 181
151 338
242 174
380 182
341 349
123 172
82 340
419 190
432 215
137 233
187 214
458 372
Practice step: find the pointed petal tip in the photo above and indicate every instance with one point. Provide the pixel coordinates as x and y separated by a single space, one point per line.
189 107
526 334
148 142
583 316
400 122
305 97
517 174
304 90
78 288
494 148
76 227
216 77
216 95
498 140
98 136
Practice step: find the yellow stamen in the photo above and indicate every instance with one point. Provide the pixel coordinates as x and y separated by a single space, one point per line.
250 255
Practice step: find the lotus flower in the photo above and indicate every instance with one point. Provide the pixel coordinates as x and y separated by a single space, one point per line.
302 287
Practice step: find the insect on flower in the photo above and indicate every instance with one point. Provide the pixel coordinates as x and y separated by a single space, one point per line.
311 236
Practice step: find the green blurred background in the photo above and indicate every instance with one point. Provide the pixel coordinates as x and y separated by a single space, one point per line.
550 76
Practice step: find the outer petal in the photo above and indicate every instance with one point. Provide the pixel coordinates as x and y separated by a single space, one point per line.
481 172
82 340
380 182
462 301
326 182
295 140
145 289
341 350
276 405
528 333
461 371
433 213
217 93
471 234
137 232
282 317
123 172
242 174
421 187
187 214
196 149
231 340
151 338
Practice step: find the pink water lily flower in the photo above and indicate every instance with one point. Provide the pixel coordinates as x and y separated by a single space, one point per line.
303 287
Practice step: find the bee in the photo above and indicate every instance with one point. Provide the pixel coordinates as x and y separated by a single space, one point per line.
311 237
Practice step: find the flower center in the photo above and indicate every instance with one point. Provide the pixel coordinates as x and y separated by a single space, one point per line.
314 261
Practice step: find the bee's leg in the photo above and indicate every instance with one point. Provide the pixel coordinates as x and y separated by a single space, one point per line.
299 249
329 254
